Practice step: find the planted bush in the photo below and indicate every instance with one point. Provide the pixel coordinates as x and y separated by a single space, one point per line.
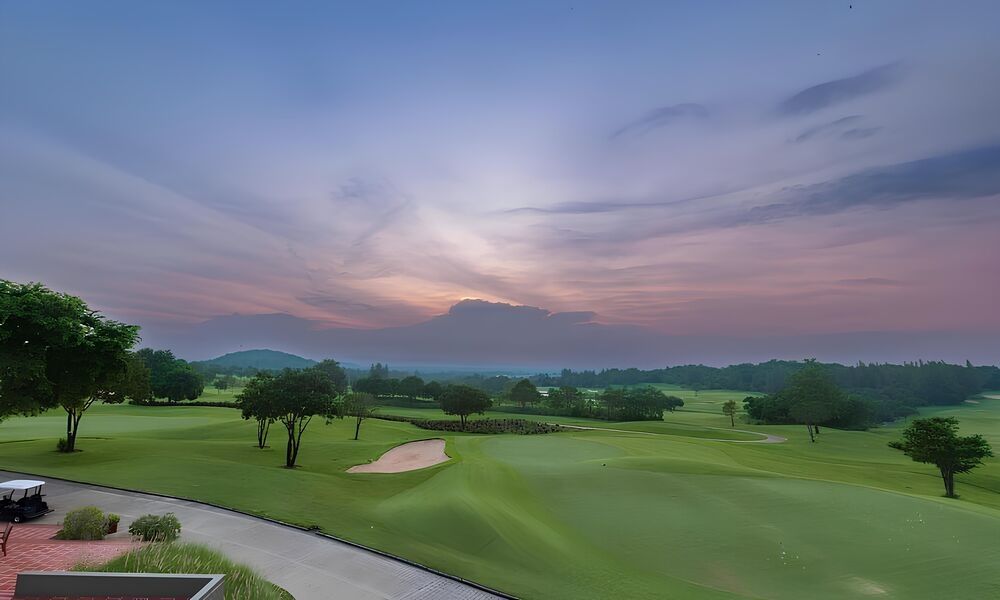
156 528
87 523
111 522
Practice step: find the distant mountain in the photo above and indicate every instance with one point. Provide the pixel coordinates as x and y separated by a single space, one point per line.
491 335
269 360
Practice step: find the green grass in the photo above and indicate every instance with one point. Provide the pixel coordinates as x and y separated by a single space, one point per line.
241 581
583 514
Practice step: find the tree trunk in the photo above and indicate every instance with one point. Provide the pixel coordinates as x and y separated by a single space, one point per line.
70 442
72 426
949 483
289 457
810 430
732 420
263 426
462 418
357 427
816 429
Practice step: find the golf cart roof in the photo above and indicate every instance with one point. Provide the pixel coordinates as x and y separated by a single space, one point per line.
20 484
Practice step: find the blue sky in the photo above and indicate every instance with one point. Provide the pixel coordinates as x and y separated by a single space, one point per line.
747 167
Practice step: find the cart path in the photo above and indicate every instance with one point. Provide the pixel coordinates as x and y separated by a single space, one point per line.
766 439
309 566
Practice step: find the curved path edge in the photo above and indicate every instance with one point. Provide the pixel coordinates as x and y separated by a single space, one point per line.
308 564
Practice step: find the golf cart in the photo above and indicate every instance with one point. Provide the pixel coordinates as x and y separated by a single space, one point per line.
28 506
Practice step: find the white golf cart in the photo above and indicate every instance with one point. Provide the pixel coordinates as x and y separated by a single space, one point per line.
28 506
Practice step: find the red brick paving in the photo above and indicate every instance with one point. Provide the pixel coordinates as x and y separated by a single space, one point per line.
31 548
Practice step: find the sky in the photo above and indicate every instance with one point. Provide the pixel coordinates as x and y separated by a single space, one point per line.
692 168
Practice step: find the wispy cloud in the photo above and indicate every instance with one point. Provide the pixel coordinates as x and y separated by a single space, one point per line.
837 91
827 129
661 117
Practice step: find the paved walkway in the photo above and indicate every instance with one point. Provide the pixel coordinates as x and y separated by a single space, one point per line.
309 566
31 548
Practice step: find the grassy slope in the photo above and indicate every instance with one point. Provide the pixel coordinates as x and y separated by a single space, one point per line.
584 514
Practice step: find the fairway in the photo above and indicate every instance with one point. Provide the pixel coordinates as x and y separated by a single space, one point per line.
582 514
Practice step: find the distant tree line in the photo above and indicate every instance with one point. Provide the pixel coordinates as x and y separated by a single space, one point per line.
889 390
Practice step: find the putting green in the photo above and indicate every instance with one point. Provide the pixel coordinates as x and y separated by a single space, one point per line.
583 514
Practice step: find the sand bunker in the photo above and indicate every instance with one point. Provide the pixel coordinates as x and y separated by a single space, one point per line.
407 457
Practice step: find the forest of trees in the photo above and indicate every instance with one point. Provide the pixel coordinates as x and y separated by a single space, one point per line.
886 390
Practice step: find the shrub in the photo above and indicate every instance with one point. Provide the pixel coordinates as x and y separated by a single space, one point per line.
156 528
85 523
241 581
62 445
111 522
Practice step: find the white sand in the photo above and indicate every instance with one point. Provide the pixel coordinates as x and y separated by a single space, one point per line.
407 457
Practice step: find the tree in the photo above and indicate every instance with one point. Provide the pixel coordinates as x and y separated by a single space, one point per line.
936 441
411 386
56 351
36 326
464 400
255 402
612 399
524 392
221 383
812 396
730 408
359 405
335 372
672 403
170 377
297 397
130 382
433 390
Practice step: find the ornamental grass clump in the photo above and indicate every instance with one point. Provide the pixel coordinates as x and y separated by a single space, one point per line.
241 581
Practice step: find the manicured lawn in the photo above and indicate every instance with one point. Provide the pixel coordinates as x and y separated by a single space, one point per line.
583 514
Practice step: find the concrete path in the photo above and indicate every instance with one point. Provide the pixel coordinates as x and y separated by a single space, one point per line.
309 566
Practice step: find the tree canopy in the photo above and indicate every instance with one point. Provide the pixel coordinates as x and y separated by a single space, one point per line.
524 393
293 398
56 351
936 441
335 372
171 377
360 406
464 400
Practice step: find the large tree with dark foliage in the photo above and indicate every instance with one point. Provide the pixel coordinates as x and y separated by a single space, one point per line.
293 398
411 387
524 393
936 441
256 403
56 351
644 403
171 377
811 398
464 400
335 372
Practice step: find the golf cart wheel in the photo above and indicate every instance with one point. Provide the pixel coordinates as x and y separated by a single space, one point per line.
17 518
